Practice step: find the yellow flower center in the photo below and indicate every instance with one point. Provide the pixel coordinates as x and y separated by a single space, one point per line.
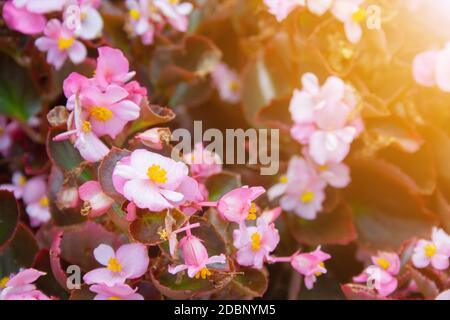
134 14
347 53
114 298
86 127
283 179
157 174
307 196
3 282
324 167
163 235
64 43
252 212
43 202
233 85
256 241
318 273
101 113
22 180
204 273
430 250
359 15
174 2
384 263
114 265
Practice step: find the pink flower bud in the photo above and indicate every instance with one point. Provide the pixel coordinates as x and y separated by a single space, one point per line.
155 138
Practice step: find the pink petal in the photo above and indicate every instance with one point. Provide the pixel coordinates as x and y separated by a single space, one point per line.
103 253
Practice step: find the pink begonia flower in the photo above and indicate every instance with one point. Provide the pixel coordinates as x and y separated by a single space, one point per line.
112 68
154 138
336 175
177 14
59 42
17 185
130 261
227 82
310 265
435 252
202 162
116 292
36 200
144 19
109 111
282 8
381 275
352 15
91 148
254 244
378 278
150 180
301 189
324 118
90 24
22 20
237 205
445 295
96 202
21 287
195 258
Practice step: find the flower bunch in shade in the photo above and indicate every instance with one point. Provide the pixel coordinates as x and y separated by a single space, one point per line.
146 17
351 13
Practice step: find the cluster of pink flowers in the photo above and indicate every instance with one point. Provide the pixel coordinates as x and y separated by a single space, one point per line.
431 68
34 194
435 251
350 12
326 122
101 105
130 261
381 275
21 287
145 17
79 19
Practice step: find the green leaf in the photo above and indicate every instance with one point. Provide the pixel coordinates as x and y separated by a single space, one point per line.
387 207
105 171
62 153
18 97
19 253
79 242
9 216
146 227
251 283
334 227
